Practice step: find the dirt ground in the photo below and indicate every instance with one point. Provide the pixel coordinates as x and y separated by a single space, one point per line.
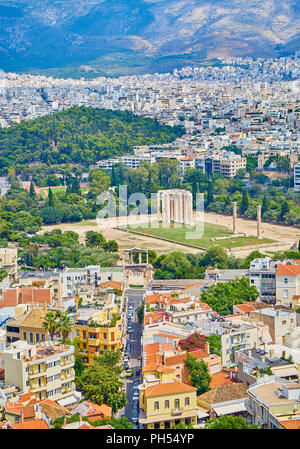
284 235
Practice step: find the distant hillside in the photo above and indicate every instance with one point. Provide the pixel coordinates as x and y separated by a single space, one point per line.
80 135
55 33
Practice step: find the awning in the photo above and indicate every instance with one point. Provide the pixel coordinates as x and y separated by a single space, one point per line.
67 401
229 409
288 371
202 415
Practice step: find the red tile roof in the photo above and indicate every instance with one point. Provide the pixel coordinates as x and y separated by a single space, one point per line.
32 424
168 388
288 270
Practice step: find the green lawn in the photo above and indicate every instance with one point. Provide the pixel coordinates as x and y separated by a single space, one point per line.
179 234
60 189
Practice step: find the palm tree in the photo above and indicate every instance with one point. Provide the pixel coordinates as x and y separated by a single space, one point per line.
65 326
51 324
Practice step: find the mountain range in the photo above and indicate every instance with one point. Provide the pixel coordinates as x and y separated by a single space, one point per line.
42 34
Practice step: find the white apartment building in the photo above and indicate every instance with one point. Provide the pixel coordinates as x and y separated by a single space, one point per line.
47 370
297 177
93 276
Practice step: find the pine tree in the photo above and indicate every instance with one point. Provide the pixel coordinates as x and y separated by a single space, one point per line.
50 198
32 191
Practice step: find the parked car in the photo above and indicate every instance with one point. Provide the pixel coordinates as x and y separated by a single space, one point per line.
135 396
129 373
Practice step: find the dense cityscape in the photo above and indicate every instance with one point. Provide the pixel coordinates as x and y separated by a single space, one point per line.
116 327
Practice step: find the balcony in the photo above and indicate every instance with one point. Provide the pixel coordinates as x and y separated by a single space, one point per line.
36 387
36 373
176 411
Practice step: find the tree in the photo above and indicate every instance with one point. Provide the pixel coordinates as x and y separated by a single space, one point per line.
32 191
50 198
140 313
198 374
214 342
229 422
99 182
210 195
224 295
94 239
111 360
102 385
51 323
215 257
265 205
65 326
245 203
285 208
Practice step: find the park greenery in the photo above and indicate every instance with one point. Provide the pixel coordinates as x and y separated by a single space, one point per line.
79 135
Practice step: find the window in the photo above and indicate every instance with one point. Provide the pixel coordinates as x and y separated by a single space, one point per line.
176 403
24 335
30 337
283 322
167 404
285 294
156 405
286 281
187 401
37 338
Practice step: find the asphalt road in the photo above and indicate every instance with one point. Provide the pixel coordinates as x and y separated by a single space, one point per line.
135 353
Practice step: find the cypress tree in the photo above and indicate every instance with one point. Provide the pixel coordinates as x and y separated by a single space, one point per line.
50 198
210 195
265 205
32 191
285 208
245 203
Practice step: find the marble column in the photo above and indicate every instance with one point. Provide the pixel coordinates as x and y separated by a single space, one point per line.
259 236
159 214
168 208
176 211
234 217
163 207
180 209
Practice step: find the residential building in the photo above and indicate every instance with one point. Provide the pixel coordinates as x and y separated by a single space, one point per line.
280 321
166 404
297 177
272 400
287 282
98 330
47 370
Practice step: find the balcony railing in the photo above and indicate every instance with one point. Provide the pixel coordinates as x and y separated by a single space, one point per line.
176 411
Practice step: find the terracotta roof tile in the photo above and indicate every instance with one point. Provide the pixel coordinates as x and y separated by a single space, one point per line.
32 424
168 388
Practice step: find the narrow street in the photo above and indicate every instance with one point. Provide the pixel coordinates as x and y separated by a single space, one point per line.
136 297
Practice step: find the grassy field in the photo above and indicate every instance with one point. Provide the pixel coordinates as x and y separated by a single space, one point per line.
179 234
59 189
